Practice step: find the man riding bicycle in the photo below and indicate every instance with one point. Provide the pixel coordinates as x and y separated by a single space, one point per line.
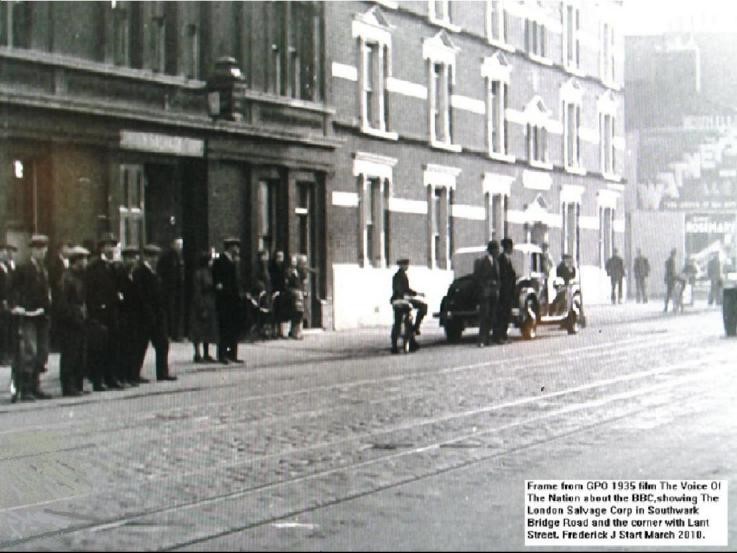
401 295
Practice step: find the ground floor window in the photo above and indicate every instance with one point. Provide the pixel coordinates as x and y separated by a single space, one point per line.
374 243
440 226
606 234
132 206
571 214
496 216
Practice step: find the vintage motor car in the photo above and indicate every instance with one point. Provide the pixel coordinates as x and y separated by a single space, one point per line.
538 300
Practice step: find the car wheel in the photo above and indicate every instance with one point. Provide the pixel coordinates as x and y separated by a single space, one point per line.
453 331
529 329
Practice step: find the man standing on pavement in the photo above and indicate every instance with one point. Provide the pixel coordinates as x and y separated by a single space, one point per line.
641 268
507 284
72 318
670 277
31 300
402 291
153 328
486 279
228 300
103 304
615 270
714 273
171 271
131 319
6 320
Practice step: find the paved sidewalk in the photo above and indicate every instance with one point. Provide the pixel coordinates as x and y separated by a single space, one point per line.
319 346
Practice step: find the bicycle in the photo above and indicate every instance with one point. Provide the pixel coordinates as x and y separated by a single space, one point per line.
406 334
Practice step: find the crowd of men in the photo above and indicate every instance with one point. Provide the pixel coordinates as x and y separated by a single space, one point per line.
103 310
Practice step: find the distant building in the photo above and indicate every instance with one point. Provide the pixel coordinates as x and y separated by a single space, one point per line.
682 114
354 132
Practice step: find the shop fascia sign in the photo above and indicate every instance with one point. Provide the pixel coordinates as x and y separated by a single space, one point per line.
705 224
162 143
686 205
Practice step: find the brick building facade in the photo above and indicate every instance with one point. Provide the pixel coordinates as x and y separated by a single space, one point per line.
354 132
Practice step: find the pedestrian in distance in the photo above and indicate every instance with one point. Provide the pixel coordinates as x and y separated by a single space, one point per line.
401 291
714 274
6 319
615 271
103 306
170 269
154 312
296 293
72 317
278 274
31 301
228 300
641 270
486 280
203 326
670 277
132 321
261 297
507 284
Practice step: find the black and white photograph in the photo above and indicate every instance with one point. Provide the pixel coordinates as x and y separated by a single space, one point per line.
368 275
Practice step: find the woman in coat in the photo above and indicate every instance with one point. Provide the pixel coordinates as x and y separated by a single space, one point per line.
203 321
296 294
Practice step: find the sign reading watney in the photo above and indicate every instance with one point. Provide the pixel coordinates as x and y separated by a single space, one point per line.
162 143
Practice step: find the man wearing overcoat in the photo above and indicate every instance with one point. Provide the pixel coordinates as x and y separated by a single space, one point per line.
228 300
670 277
153 328
507 285
641 269
486 280
6 320
615 270
31 300
72 318
131 319
103 306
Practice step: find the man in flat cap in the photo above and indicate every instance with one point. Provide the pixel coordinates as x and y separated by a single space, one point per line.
131 319
486 278
401 291
228 300
103 304
72 317
6 276
31 300
154 312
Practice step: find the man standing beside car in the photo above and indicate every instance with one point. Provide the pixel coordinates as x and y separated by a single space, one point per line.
486 277
507 284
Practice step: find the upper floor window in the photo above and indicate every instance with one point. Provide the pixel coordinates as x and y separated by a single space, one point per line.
440 182
121 36
374 174
607 109
538 119
295 65
439 10
497 23
571 101
571 19
536 32
374 36
191 59
497 71
15 24
606 52
440 53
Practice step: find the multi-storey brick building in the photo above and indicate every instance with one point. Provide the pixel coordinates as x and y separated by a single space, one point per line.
356 132
463 121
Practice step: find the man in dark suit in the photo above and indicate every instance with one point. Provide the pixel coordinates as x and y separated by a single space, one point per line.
402 291
670 277
714 274
153 328
103 305
6 320
228 300
507 286
641 269
615 270
31 300
170 268
131 319
71 314
486 278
